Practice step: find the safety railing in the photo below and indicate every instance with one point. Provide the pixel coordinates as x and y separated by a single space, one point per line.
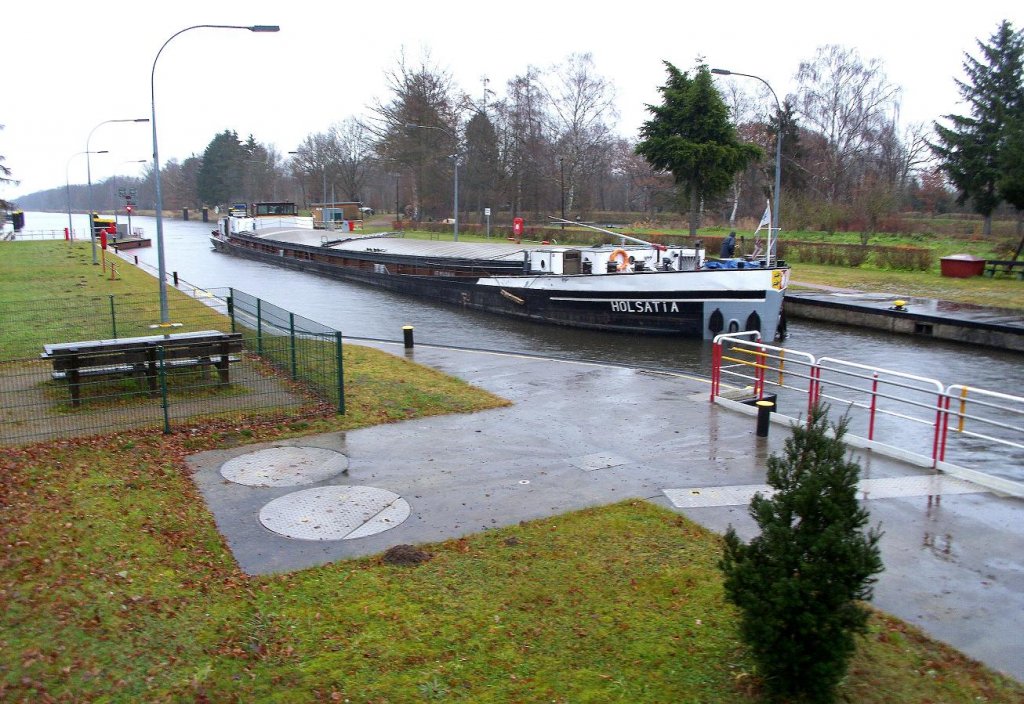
917 417
43 235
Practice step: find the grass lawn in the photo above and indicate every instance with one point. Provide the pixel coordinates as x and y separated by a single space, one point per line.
1002 292
50 291
116 586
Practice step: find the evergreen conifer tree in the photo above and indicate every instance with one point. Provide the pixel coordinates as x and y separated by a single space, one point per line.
799 582
690 136
970 149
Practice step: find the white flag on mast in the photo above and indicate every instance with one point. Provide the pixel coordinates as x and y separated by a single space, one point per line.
766 221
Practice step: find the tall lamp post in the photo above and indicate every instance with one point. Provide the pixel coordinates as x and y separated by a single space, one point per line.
67 187
561 187
778 147
88 171
164 316
456 158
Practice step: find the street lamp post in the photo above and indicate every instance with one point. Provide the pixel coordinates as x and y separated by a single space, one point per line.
305 197
162 273
561 187
67 188
88 171
456 158
778 149
398 176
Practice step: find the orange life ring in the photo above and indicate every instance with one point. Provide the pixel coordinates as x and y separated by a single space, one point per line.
623 257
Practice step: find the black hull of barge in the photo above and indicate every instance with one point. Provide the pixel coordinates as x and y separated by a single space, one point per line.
532 305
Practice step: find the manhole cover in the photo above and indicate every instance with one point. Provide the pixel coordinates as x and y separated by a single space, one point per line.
334 513
598 460
284 466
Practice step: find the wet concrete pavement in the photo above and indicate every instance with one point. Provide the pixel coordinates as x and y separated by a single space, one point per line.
580 435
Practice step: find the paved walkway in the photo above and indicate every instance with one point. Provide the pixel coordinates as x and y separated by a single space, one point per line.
580 435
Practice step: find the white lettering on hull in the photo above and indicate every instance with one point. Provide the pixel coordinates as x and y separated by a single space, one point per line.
644 307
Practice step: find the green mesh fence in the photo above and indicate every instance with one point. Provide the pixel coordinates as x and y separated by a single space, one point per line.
83 365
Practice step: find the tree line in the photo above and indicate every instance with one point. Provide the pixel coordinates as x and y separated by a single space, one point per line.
548 145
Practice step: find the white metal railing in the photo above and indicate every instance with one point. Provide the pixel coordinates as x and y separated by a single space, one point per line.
912 414
296 221
41 235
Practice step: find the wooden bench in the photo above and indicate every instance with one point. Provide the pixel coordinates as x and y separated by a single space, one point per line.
1005 266
140 357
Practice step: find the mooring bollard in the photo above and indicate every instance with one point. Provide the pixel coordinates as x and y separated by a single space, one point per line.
407 333
764 410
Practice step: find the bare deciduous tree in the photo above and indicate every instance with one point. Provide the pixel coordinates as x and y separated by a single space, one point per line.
525 142
355 154
421 95
580 115
848 101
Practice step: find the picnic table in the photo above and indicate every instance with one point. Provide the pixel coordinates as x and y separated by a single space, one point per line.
141 356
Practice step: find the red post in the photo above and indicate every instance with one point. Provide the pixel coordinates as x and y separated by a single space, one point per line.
941 430
716 369
874 407
762 363
67 234
813 389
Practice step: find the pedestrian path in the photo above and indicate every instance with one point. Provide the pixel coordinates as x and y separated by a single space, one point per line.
580 435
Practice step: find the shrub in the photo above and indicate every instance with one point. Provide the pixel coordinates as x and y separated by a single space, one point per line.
799 582
904 258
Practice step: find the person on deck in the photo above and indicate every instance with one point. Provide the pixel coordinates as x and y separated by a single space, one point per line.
728 246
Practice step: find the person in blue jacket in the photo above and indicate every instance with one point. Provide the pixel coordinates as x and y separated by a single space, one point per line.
728 246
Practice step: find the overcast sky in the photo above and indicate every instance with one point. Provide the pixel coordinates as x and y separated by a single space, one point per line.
70 66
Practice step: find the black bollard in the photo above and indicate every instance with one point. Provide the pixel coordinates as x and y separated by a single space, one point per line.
407 333
764 410
175 279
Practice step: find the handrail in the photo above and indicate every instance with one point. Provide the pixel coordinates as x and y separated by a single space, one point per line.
991 417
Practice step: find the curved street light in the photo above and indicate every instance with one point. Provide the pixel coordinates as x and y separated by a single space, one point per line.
778 148
88 171
67 189
455 157
164 316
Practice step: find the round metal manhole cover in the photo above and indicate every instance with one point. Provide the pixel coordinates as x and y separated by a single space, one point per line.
334 513
284 466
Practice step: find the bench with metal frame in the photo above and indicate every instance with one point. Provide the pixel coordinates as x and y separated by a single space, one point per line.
1005 266
141 357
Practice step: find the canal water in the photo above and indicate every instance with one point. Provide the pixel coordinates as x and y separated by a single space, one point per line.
364 312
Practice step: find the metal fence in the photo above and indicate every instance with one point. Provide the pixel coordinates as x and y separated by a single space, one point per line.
43 235
959 428
288 366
